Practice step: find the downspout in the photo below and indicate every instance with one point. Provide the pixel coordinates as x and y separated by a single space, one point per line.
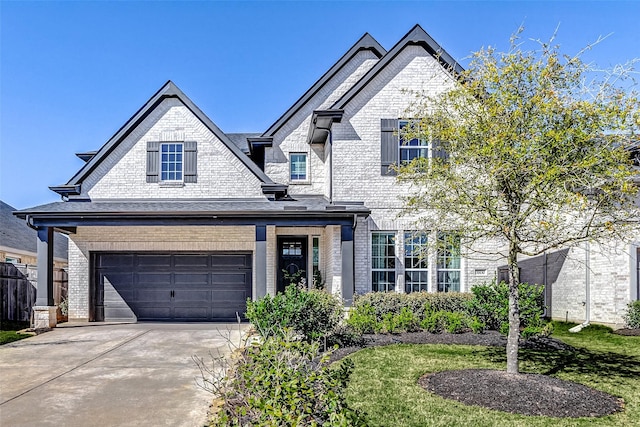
587 291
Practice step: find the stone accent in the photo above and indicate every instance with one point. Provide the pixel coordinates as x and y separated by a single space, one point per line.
44 317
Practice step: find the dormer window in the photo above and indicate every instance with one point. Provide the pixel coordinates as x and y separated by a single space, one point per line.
171 161
298 171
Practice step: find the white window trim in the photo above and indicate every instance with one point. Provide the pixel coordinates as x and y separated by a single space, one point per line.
428 146
171 182
394 270
409 234
307 179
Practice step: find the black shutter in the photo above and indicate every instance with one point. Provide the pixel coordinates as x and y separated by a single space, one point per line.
153 161
190 161
439 151
388 145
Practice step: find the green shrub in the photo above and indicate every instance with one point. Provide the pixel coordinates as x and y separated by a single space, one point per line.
312 314
455 323
434 322
286 382
421 304
362 318
490 304
406 320
543 330
389 324
476 325
632 317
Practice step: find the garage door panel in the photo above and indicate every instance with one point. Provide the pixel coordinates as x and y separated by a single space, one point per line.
152 295
224 261
178 286
229 279
191 279
120 281
145 312
153 280
188 261
192 295
193 313
153 260
117 260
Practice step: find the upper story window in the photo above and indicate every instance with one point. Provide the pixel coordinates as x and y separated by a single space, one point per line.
412 148
397 148
298 167
171 162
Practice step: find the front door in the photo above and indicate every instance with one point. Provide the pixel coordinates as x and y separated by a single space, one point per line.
292 261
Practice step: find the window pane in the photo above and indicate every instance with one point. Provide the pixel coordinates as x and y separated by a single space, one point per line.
383 261
171 162
448 262
407 152
298 166
448 281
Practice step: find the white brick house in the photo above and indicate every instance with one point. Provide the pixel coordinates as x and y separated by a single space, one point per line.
174 219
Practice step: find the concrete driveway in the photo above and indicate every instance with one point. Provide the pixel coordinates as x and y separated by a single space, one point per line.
110 375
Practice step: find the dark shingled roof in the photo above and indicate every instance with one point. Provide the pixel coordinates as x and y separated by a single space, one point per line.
16 234
240 140
245 207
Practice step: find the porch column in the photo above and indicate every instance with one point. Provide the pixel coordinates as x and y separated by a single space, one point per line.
44 312
346 246
261 261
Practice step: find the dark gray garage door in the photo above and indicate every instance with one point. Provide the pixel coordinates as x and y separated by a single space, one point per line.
172 286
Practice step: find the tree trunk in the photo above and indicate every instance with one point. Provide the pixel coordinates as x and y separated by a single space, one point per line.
514 311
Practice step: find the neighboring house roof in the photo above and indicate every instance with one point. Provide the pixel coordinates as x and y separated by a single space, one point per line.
17 235
168 90
416 36
366 42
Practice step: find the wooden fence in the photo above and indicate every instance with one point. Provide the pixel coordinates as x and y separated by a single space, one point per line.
18 286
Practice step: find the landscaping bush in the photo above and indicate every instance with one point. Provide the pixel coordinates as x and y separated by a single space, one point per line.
419 303
310 313
490 304
632 317
452 322
362 318
284 381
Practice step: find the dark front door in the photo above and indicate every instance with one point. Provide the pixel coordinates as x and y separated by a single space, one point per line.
292 261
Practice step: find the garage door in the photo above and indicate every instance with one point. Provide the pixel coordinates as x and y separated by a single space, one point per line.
171 286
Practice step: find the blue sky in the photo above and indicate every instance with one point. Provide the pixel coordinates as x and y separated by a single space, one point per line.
72 73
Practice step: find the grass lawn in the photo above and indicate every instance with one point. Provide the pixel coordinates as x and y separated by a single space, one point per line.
383 384
8 331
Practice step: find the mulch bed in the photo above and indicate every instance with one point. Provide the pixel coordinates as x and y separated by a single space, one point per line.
527 394
628 332
488 339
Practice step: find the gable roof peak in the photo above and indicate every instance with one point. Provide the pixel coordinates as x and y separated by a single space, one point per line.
168 90
366 42
417 36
